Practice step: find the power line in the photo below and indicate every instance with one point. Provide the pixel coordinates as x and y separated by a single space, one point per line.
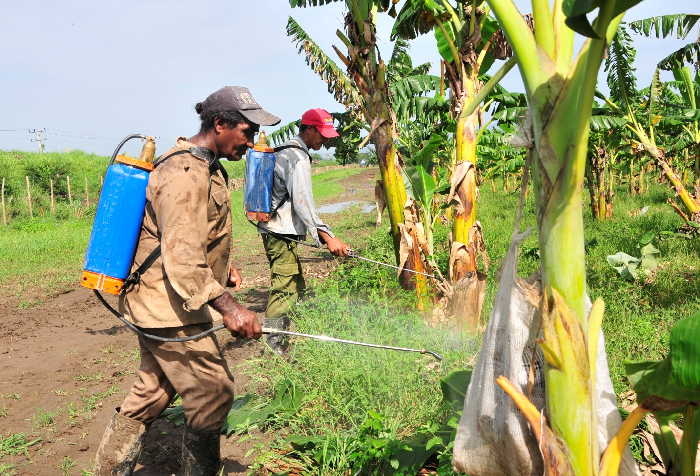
40 137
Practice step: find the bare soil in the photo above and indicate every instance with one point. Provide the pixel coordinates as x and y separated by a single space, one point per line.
66 363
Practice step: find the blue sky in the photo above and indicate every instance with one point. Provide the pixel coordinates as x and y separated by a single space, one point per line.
92 72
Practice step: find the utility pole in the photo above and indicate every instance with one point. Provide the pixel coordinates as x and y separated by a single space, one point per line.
40 137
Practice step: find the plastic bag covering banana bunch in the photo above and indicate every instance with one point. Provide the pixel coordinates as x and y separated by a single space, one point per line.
493 438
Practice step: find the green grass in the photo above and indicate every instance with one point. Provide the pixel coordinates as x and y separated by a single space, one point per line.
43 418
44 253
66 465
361 301
344 384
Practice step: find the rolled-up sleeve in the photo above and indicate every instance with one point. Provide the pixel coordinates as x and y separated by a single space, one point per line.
300 190
181 206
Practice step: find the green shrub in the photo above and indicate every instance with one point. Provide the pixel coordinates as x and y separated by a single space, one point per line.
42 171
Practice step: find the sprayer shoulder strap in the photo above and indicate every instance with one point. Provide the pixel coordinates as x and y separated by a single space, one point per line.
214 165
292 146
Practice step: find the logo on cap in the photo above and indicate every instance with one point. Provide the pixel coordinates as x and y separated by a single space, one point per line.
246 98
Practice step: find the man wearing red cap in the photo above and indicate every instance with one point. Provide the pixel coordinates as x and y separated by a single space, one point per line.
295 216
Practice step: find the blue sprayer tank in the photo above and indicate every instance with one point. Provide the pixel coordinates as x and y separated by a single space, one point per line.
118 219
259 177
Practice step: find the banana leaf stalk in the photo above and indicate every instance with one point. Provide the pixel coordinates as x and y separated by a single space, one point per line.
560 90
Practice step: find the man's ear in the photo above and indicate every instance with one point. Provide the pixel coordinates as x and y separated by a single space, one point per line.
219 125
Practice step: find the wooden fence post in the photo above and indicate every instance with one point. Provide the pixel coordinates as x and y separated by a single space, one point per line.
2 194
29 197
87 194
53 203
70 196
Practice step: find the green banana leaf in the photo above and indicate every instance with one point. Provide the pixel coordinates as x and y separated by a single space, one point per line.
677 377
443 44
632 268
454 388
245 414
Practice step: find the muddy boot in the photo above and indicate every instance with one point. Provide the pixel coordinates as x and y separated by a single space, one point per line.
278 342
200 453
120 446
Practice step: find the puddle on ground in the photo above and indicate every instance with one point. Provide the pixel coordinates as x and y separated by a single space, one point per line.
365 207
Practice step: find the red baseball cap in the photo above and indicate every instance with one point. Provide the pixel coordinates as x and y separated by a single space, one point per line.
322 120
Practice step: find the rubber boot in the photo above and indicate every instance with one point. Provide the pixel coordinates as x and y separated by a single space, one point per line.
120 447
200 453
278 342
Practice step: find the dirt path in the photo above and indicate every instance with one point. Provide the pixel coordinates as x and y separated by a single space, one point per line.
66 364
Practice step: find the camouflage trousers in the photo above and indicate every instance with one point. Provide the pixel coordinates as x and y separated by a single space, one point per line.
287 280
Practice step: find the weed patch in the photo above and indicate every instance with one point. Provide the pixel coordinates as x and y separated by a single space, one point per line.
66 465
43 418
92 402
7 469
16 444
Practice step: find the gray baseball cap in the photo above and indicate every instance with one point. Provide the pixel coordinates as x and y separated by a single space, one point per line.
238 98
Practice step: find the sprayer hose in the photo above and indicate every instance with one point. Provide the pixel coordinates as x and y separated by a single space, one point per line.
121 144
140 332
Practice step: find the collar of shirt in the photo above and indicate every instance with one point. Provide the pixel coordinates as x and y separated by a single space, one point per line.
300 142
184 143
204 154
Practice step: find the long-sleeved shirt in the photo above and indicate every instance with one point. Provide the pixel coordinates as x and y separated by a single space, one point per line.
292 195
188 213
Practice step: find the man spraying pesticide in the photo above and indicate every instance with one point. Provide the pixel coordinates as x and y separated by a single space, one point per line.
177 285
168 224
294 214
279 198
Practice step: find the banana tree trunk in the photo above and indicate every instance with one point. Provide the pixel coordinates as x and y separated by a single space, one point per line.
468 283
690 203
598 186
392 181
560 89
630 183
595 176
368 72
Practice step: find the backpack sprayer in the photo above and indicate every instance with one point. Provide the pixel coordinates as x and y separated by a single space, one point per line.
117 226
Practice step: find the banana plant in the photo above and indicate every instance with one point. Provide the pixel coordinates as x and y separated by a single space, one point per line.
498 157
670 389
605 149
688 87
681 26
643 123
367 72
469 42
560 87
426 180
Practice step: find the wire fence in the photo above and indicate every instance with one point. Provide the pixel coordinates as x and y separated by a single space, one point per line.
65 197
